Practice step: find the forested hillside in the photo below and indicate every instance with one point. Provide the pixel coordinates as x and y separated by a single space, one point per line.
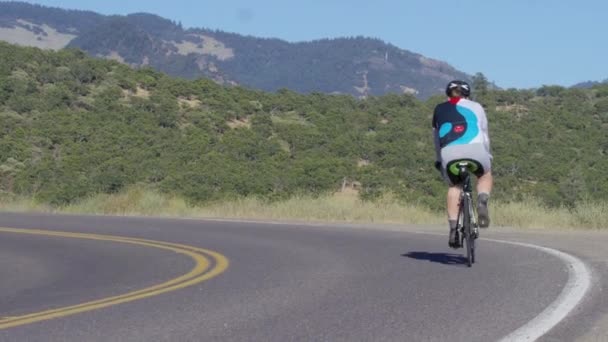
73 126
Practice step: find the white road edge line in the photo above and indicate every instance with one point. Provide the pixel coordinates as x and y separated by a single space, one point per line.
577 286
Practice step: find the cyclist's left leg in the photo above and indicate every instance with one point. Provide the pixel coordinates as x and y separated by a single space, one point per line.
453 201
453 193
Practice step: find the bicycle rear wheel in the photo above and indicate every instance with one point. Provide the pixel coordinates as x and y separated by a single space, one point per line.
474 229
468 236
472 239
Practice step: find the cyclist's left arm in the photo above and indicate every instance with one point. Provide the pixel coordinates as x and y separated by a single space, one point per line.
436 139
437 146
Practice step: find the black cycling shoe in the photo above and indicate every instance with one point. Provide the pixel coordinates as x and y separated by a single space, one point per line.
454 238
483 215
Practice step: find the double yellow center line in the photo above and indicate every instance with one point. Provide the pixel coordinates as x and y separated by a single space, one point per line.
208 264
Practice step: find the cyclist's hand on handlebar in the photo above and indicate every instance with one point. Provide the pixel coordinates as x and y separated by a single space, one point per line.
438 165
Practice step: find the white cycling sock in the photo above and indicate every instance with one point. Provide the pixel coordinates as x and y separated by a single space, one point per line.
453 224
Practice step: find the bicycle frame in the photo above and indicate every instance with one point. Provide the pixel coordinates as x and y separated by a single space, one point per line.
467 218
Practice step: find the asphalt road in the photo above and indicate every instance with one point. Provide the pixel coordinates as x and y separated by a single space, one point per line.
284 282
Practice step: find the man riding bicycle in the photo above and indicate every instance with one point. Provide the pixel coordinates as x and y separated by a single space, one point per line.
460 131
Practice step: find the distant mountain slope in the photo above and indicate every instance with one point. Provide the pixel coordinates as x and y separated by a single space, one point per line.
358 66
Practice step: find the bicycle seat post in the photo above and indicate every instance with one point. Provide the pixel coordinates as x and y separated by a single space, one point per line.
464 174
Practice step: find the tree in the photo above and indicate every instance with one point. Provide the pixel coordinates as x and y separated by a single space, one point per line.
8 171
480 84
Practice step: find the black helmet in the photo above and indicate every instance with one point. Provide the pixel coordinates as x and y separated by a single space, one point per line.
465 88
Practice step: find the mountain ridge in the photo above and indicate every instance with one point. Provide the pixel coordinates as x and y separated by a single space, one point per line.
589 84
358 66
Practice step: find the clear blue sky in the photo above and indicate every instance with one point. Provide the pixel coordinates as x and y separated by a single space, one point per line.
516 43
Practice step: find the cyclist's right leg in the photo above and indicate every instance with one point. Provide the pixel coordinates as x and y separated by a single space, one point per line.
484 188
453 204
485 181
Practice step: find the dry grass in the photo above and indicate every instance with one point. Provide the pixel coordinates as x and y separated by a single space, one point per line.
20 35
135 202
207 46
530 214
191 102
513 108
139 92
341 207
236 123
18 204
336 208
289 118
363 162
115 56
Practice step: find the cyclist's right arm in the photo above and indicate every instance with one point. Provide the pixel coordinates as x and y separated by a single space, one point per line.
483 122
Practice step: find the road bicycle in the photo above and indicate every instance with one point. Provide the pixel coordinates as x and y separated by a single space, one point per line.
467 226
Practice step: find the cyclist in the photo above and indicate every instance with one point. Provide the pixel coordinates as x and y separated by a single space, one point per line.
460 131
